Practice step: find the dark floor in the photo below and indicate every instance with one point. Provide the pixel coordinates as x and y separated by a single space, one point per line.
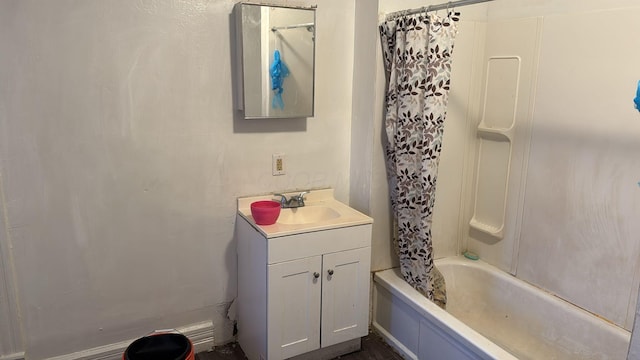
373 348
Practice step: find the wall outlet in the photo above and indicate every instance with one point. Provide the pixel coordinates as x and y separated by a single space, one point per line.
277 164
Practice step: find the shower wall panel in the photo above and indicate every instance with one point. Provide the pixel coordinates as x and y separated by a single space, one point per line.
495 134
580 229
493 210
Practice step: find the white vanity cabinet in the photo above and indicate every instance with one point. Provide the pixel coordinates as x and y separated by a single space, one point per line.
303 294
308 308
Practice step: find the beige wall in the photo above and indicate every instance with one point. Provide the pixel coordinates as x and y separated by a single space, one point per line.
122 158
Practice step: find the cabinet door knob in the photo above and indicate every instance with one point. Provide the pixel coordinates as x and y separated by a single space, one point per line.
316 275
330 271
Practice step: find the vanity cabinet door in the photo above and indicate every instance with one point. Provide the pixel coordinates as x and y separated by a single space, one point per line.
345 295
293 307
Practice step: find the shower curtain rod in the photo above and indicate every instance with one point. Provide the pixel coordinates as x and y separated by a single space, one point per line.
447 5
307 25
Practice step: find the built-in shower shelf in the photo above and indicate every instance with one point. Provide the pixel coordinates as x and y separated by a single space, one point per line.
495 134
494 231
495 144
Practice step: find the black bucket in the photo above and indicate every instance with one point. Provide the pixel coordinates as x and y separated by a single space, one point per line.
162 346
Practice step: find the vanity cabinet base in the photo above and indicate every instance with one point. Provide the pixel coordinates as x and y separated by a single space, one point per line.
332 352
308 300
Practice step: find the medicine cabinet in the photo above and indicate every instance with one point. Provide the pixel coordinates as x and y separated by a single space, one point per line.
275 47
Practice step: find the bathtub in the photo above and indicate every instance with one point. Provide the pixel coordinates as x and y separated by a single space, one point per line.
490 315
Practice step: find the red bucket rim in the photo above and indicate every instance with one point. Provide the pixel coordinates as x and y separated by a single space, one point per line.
265 204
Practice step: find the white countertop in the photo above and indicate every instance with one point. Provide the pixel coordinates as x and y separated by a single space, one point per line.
348 216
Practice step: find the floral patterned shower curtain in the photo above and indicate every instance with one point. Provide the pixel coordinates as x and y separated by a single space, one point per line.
417 57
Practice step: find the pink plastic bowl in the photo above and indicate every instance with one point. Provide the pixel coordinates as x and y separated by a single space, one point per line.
265 212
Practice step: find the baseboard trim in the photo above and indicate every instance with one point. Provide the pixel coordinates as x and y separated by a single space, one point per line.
200 334
16 356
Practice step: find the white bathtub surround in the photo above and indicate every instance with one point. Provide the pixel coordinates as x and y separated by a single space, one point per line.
572 203
490 315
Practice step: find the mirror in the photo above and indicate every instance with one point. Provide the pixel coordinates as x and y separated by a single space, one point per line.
276 60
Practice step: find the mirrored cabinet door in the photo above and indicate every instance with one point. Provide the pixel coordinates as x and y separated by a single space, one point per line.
276 60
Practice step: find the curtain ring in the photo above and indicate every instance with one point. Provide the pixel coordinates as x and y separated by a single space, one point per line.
427 11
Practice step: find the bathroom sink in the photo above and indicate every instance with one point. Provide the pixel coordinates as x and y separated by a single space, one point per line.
320 212
307 215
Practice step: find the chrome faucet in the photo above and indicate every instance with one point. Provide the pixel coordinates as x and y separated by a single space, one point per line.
295 201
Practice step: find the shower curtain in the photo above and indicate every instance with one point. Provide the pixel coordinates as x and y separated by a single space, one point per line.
417 53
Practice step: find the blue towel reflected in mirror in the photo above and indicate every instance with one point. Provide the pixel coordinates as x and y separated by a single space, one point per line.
637 99
278 71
